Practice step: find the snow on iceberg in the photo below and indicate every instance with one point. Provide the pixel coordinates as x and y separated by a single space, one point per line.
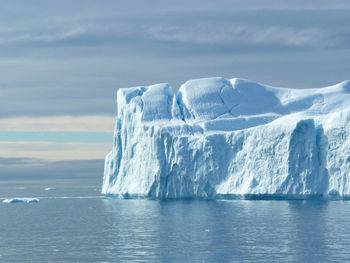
230 138
20 200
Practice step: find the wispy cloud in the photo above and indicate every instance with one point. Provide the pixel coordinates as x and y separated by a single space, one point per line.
54 151
196 33
251 35
21 35
21 161
54 136
58 124
227 29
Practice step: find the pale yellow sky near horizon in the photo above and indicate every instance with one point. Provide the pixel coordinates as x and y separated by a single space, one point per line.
56 151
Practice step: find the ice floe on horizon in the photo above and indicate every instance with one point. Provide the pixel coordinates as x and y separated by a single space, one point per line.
21 200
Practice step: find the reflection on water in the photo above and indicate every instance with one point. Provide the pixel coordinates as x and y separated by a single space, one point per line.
311 229
229 231
103 230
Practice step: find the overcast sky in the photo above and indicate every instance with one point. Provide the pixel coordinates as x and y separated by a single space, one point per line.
62 61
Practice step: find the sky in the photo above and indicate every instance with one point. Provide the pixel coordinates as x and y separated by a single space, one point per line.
61 63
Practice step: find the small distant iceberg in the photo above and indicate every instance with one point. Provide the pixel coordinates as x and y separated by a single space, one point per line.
21 200
49 188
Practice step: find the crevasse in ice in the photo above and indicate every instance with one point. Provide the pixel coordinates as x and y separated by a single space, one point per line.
220 138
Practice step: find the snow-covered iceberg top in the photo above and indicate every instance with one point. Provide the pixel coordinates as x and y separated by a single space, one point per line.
225 138
21 200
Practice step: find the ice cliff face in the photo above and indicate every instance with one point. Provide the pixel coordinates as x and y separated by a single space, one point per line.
230 138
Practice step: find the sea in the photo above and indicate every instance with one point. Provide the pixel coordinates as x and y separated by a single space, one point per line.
73 222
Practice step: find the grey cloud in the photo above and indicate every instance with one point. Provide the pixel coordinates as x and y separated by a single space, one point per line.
37 169
225 28
70 59
7 162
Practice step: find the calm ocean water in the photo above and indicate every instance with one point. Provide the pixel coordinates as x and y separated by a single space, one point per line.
75 224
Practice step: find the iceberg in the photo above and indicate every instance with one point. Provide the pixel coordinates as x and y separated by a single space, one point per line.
49 188
21 200
230 138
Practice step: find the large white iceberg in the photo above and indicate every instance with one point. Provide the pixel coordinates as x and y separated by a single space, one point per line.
227 138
